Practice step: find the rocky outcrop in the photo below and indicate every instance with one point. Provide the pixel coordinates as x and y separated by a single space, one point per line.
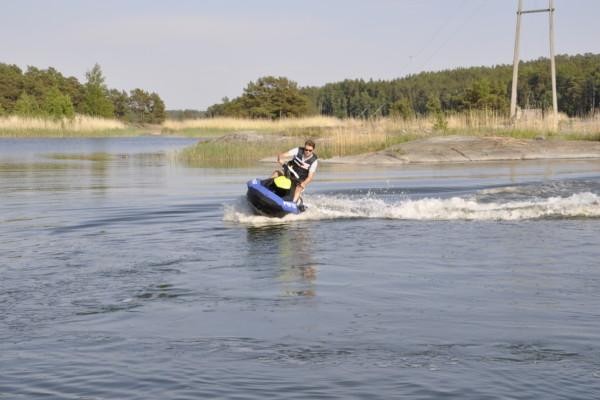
472 148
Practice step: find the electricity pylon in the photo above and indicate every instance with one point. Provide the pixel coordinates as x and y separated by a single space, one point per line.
513 97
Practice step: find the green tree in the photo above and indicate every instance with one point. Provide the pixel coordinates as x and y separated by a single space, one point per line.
180 115
434 105
271 97
146 108
58 105
157 109
484 95
120 102
27 106
139 105
578 91
96 100
402 108
434 108
312 95
76 92
11 86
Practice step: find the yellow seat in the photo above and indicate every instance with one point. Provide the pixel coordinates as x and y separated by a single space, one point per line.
283 182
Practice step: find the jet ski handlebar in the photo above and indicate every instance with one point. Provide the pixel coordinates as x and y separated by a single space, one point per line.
288 170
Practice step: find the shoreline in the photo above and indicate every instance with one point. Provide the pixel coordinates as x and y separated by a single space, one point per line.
430 150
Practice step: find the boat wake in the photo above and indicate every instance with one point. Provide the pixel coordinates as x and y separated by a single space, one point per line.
499 204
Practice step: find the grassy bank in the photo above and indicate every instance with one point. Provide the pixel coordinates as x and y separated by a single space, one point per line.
79 126
337 137
336 142
334 137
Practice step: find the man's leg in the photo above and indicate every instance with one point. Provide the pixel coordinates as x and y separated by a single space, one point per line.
297 192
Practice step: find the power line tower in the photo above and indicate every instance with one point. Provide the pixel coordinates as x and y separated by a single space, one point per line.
513 97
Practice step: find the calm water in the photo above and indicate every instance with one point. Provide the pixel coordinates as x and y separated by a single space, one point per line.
129 276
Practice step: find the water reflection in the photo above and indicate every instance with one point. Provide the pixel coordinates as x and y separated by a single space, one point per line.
289 251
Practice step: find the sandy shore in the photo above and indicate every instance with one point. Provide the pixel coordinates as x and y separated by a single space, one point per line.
471 149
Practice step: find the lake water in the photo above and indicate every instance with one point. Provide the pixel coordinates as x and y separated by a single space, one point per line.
130 276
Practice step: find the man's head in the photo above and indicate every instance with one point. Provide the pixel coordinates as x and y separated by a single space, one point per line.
309 146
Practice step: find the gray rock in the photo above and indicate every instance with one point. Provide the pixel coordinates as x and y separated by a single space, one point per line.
471 148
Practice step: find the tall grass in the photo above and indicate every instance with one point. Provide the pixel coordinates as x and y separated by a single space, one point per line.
581 128
80 125
530 125
467 123
241 124
346 141
225 154
337 141
337 137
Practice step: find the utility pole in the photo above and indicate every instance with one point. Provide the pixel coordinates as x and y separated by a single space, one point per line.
513 93
552 64
513 96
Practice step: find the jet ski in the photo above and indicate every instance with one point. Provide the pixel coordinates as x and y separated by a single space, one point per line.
273 197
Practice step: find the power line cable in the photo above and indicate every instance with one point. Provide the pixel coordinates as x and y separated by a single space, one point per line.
430 41
451 35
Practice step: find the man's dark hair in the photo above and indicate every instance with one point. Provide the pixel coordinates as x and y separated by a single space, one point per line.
309 142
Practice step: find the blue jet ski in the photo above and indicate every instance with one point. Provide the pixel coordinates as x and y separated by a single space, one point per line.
273 197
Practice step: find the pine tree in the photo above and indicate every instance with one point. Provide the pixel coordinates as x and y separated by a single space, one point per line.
157 109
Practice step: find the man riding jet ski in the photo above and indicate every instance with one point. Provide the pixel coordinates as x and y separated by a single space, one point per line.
280 194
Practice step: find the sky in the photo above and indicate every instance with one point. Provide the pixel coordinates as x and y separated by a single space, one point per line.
193 53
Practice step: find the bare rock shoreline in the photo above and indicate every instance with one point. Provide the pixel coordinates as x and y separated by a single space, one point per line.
461 149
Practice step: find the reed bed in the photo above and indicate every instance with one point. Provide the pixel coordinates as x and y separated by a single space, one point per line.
337 142
291 126
469 123
581 128
241 124
342 137
80 125
226 154
528 126
335 137
344 142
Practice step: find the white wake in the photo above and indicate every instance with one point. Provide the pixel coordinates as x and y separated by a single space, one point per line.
584 204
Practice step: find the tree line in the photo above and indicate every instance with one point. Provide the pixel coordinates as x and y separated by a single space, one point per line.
47 93
268 97
456 90
180 115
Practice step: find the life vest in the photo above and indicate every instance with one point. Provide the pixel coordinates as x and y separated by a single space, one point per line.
302 167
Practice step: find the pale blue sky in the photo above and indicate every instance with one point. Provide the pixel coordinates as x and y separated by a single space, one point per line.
193 53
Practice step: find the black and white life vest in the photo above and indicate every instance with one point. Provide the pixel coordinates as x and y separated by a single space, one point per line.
302 167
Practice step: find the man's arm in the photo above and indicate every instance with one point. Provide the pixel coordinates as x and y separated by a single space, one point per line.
279 157
304 184
286 155
311 174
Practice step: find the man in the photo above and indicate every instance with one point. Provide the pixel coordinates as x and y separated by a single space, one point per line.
304 164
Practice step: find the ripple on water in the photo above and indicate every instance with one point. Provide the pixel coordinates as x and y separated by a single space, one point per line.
110 273
531 353
245 367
